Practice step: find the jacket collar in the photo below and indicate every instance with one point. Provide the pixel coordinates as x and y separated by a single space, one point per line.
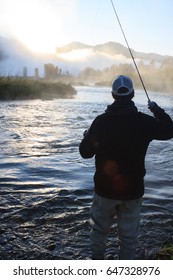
122 108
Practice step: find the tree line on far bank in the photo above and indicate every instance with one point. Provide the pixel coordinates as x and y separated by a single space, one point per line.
155 77
57 84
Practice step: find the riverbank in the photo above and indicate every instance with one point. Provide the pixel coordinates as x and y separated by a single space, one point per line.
166 252
24 89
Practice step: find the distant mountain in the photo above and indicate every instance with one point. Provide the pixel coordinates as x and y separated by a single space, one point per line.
111 48
73 57
72 46
79 56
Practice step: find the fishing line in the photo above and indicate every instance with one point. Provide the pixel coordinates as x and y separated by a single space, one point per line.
130 50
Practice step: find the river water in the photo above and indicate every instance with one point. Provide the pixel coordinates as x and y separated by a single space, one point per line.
46 187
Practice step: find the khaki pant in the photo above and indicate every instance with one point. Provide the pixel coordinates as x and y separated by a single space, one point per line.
103 211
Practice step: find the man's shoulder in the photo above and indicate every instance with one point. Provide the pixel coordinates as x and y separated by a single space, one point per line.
144 115
102 116
145 119
100 120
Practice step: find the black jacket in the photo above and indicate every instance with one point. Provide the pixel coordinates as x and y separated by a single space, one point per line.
119 139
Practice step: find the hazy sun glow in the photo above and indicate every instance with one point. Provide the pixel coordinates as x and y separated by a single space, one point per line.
76 54
39 24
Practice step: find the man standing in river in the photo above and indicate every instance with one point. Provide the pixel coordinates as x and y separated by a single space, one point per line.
119 139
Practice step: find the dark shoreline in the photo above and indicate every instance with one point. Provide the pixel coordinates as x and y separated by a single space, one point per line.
28 89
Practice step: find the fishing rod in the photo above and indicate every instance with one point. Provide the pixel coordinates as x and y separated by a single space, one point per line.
130 50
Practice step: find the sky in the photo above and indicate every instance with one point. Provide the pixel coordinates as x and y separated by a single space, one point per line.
43 25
